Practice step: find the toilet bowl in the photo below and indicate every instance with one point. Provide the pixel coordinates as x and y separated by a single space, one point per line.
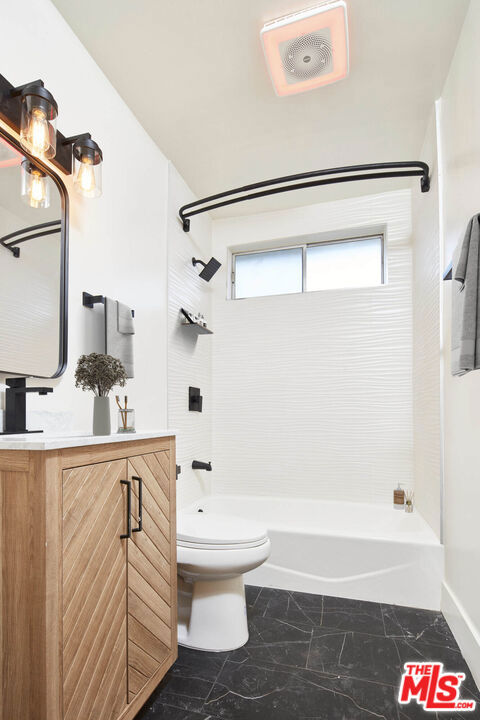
213 553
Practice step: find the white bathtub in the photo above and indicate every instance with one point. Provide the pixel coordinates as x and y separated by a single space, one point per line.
354 550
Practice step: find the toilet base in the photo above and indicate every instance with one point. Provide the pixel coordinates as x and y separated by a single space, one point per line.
212 614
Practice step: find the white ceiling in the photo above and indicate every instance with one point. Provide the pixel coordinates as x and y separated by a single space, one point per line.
193 73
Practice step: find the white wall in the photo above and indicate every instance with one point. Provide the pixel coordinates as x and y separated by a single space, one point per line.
189 355
313 392
118 243
426 338
460 150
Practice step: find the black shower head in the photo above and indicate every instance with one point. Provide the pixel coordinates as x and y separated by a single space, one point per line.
209 269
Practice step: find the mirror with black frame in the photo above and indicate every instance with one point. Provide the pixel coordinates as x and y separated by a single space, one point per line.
33 265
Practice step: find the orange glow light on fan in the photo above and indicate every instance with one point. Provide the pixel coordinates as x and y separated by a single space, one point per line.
307 49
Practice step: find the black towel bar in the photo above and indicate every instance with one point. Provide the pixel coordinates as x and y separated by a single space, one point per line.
89 300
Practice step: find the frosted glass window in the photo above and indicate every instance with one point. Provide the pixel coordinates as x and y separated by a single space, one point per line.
353 263
276 272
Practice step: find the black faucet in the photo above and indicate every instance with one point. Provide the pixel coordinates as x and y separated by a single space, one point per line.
16 405
197 465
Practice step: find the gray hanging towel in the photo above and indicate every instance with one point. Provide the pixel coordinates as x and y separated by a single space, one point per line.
125 322
466 302
118 344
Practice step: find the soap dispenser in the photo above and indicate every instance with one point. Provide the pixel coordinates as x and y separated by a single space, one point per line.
399 498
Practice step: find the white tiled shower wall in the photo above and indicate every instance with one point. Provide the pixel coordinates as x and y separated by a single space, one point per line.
189 356
313 392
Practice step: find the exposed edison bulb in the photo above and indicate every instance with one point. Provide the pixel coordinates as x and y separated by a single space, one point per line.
38 190
86 176
37 135
35 186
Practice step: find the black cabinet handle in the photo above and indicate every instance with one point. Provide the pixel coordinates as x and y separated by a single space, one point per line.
129 509
140 503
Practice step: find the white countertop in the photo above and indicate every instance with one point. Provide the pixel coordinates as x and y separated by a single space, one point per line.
39 441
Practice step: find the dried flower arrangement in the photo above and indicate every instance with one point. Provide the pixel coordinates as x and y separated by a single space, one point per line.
99 373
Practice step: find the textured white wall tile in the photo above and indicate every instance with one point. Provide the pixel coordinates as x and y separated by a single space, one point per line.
189 356
313 392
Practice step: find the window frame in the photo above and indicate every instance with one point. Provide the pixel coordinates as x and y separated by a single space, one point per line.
304 246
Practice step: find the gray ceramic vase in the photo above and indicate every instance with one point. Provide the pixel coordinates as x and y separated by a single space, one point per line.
101 416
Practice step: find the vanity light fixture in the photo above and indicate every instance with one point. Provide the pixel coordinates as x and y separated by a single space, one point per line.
35 186
87 165
38 122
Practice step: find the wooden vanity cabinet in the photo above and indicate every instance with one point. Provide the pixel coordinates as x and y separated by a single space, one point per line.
88 581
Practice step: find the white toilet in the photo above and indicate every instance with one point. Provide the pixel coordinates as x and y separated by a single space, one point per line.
213 553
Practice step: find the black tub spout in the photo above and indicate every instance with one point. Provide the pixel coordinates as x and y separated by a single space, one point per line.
197 465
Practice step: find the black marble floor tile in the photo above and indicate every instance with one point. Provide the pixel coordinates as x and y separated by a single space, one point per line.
160 711
251 595
415 624
355 615
247 691
282 605
275 642
311 657
187 664
358 655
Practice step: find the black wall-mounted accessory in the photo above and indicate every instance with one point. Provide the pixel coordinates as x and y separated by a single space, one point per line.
21 236
89 300
197 465
16 406
195 400
209 269
365 172
87 165
178 470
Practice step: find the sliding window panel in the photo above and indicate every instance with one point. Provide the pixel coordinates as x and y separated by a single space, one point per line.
274 272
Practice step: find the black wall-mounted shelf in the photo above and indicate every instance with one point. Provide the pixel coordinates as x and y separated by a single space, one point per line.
194 327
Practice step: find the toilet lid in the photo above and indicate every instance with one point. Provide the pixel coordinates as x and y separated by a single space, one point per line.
211 529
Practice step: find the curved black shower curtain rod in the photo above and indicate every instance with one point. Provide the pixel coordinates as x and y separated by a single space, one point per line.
21 236
388 170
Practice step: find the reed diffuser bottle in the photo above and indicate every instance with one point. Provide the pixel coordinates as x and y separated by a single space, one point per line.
126 416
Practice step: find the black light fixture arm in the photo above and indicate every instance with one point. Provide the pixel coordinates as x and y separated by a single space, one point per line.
74 138
83 144
16 91
373 171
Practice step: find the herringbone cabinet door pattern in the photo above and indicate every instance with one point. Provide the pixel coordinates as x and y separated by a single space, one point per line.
149 571
94 592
